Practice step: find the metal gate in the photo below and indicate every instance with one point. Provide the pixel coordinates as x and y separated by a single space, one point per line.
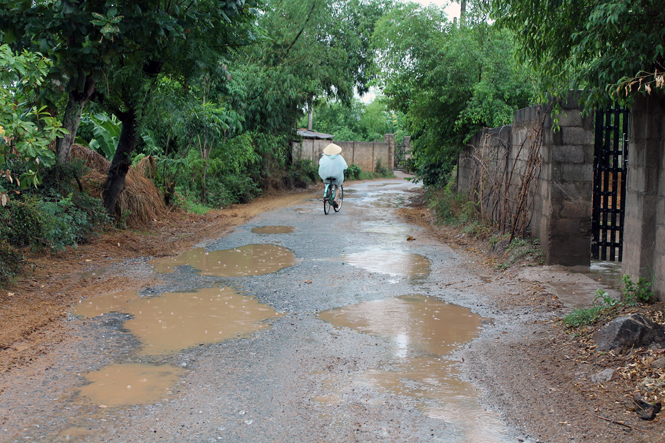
609 183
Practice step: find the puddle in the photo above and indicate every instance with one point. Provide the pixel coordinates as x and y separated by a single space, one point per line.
238 262
606 272
392 262
179 320
274 230
422 331
392 232
130 384
93 273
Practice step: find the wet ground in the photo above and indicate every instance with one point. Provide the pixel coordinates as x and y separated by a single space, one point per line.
297 326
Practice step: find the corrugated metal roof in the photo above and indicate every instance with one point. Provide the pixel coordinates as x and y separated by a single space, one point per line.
304 133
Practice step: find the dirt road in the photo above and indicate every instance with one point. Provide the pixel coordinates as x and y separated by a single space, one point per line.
356 326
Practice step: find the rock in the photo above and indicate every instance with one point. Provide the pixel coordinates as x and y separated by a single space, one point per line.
624 333
604 376
645 410
658 364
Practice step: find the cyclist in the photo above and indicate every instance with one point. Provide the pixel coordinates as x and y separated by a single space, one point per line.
331 168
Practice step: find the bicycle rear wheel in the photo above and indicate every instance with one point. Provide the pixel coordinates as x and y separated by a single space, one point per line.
340 198
326 201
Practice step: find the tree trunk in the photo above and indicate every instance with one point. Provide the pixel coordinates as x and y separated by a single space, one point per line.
462 15
115 180
72 118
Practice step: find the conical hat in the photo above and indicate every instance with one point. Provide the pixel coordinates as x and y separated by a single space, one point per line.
332 149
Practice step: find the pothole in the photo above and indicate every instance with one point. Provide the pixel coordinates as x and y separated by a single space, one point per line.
421 331
246 260
274 230
179 320
130 384
391 262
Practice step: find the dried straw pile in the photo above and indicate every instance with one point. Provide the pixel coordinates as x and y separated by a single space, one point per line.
140 197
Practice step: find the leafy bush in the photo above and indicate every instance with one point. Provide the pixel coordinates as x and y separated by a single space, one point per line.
383 171
11 262
52 225
353 172
636 292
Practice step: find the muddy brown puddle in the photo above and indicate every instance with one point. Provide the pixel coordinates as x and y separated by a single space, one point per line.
130 384
422 331
391 262
274 230
238 262
178 320
166 323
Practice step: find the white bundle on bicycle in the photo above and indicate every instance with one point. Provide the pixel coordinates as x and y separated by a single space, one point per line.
332 164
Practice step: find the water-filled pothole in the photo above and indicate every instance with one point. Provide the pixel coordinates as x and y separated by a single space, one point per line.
130 384
239 262
422 331
391 262
273 230
178 320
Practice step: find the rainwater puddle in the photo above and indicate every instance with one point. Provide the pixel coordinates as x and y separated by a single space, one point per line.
391 262
238 262
274 230
93 273
179 320
607 272
393 232
130 384
422 331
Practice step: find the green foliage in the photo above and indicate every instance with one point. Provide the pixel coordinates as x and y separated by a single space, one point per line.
447 81
352 172
51 225
105 133
582 316
11 262
383 171
26 128
605 306
639 292
356 121
587 44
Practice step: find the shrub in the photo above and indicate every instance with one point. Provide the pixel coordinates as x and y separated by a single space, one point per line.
11 262
353 172
636 292
51 225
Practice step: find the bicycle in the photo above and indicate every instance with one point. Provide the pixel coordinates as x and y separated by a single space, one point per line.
329 196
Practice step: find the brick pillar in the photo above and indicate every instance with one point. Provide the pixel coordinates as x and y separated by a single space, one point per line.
644 231
390 139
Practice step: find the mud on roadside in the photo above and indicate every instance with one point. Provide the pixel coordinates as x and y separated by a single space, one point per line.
536 373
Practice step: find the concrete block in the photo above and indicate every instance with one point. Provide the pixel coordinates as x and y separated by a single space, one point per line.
568 154
570 117
577 136
581 172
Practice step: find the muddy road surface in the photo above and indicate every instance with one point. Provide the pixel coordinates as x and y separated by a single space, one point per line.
295 327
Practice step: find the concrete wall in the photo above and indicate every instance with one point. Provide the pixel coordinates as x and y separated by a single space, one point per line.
644 231
561 195
363 154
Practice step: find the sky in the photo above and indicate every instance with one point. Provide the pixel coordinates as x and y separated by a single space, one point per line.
452 10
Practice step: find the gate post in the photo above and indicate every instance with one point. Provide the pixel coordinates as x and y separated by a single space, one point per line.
644 234
566 185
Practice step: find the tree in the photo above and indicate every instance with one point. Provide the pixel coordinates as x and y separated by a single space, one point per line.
597 46
448 81
26 129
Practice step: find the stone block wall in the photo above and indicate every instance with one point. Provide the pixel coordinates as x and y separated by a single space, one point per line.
644 229
363 154
560 198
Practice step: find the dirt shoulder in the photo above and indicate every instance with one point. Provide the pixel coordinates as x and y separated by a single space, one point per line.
536 373
34 303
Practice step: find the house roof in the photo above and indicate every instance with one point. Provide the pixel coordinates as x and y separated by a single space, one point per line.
304 133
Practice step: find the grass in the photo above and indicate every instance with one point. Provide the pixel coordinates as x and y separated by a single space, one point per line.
196 208
606 306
